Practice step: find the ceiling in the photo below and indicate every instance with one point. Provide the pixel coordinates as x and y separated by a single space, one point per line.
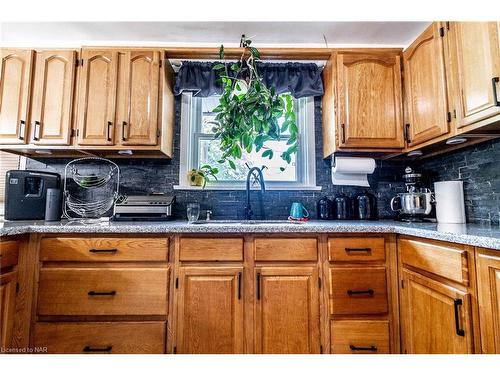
310 34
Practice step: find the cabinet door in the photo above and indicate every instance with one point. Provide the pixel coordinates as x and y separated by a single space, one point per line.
488 283
15 81
477 55
287 310
210 310
52 97
435 317
7 307
97 96
138 91
425 85
370 100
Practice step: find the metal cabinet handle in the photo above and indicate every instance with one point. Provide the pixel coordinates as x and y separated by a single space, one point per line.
22 127
358 250
407 133
494 82
342 128
369 292
89 349
110 124
94 293
239 285
371 348
103 250
258 285
36 131
456 304
124 124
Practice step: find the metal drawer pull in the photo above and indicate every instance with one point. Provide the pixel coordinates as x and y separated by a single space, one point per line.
494 82
370 292
22 128
94 293
239 285
258 285
124 123
89 349
342 127
360 250
456 304
371 348
110 124
36 131
103 250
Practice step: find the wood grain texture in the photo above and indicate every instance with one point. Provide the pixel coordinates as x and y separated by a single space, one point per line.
52 102
354 336
119 338
286 249
488 286
287 312
356 249
425 87
343 280
7 307
139 291
15 91
210 310
477 61
9 253
211 249
167 109
328 106
137 97
440 258
428 317
90 249
97 97
370 100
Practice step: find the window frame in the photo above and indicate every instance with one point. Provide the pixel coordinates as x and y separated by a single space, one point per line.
305 161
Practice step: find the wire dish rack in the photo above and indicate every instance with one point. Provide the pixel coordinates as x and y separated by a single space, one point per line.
91 187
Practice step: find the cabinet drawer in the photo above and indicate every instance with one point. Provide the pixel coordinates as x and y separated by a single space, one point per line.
442 259
9 252
211 249
101 337
286 249
358 290
359 337
94 291
103 249
353 249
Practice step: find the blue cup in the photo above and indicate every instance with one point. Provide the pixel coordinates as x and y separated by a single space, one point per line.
298 211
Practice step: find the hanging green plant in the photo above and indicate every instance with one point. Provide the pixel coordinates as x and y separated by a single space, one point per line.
248 112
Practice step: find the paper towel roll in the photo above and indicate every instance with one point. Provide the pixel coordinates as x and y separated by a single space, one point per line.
450 206
352 171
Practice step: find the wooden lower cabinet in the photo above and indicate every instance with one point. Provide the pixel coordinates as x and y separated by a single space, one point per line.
435 317
7 307
287 310
488 285
100 337
210 310
359 337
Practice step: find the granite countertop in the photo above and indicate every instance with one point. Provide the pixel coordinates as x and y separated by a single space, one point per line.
469 234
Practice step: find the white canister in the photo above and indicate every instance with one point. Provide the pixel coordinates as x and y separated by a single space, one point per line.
450 206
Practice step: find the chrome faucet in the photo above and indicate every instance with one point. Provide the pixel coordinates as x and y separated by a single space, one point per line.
260 179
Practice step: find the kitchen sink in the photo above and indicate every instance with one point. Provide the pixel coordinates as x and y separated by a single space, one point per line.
245 222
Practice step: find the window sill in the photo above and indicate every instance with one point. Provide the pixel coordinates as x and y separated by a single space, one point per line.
242 187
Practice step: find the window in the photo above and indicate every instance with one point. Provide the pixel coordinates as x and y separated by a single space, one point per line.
198 147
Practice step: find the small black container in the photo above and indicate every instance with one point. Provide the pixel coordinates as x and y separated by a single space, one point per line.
342 207
365 206
324 208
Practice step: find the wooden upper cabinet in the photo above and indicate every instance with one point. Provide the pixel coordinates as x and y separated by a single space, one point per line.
210 310
370 100
425 87
138 95
488 283
52 104
476 51
435 317
287 310
97 96
15 83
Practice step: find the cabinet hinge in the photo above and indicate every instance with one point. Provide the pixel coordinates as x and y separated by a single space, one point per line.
319 282
176 283
402 284
321 349
175 349
17 288
441 32
448 117
79 62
